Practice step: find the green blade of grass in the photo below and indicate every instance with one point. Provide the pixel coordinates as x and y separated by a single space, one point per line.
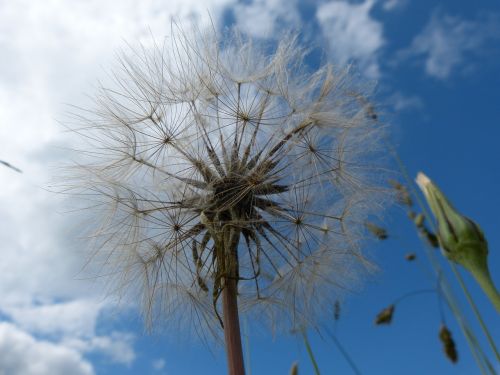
310 352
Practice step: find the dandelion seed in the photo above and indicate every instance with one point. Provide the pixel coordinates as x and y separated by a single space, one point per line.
229 179
8 165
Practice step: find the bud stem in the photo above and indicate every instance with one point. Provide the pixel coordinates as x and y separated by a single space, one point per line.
483 278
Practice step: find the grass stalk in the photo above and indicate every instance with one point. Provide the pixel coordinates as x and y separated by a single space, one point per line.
344 352
310 352
474 345
476 311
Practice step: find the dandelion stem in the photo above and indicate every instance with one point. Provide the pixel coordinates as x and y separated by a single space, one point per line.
231 320
232 335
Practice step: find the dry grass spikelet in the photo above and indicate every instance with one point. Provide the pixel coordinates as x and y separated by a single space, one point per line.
385 316
448 344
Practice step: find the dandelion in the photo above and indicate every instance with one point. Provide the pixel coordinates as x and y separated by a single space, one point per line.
227 179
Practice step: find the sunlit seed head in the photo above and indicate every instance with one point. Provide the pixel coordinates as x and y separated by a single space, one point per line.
207 142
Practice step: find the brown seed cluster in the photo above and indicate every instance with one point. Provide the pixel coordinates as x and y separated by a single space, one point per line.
448 344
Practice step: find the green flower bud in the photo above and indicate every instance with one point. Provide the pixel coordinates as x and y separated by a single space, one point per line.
461 239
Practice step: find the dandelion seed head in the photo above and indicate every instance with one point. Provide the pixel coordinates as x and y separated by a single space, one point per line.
205 144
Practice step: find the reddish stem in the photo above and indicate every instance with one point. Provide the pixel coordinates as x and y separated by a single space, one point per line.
232 335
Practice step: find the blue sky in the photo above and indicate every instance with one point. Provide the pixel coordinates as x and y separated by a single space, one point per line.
437 74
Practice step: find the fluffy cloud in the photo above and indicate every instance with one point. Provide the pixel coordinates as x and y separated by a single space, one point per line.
401 102
22 354
447 43
352 34
72 318
158 364
51 54
117 346
389 5
264 18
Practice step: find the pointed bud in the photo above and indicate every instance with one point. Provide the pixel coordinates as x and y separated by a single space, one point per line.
462 240
295 369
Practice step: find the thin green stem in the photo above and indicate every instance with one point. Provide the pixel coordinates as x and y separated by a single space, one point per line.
445 287
476 311
346 355
310 352
411 294
484 280
247 347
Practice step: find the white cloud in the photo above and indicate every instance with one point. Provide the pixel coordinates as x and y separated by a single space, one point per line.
448 43
389 5
22 354
159 364
264 18
52 53
117 347
352 34
402 102
72 318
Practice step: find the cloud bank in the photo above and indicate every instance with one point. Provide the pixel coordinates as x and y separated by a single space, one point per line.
449 43
51 54
353 35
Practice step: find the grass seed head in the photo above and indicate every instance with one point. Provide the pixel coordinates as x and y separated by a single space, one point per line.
385 316
448 344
